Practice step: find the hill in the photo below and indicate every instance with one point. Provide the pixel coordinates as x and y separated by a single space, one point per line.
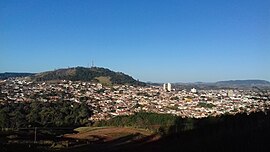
231 84
7 75
93 74
243 82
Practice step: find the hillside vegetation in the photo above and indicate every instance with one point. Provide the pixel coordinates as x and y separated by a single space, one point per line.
165 124
93 74
159 123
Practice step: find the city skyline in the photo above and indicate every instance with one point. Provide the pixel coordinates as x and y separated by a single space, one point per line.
158 41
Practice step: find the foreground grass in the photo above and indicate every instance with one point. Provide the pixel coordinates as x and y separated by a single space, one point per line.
87 129
108 133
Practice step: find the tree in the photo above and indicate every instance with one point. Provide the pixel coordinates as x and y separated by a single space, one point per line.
4 118
18 119
33 117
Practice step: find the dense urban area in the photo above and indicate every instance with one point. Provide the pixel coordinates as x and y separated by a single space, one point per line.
115 100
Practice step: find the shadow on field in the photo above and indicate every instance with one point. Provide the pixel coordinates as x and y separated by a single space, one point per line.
228 133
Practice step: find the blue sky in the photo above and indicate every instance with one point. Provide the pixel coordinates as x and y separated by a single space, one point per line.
151 40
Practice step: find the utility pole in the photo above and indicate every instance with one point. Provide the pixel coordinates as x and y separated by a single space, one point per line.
35 140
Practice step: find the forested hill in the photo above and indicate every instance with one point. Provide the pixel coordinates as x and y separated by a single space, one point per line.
93 74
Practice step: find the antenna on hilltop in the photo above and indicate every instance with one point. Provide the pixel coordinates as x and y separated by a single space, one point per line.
93 63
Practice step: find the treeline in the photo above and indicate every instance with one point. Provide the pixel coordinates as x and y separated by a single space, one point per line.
152 121
43 114
87 74
166 124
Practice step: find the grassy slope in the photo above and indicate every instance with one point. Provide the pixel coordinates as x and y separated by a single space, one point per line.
104 80
110 138
106 133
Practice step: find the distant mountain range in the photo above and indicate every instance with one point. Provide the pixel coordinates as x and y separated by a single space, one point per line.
243 82
240 84
7 75
93 74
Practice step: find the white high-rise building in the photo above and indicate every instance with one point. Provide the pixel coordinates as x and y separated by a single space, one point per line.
167 87
164 87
